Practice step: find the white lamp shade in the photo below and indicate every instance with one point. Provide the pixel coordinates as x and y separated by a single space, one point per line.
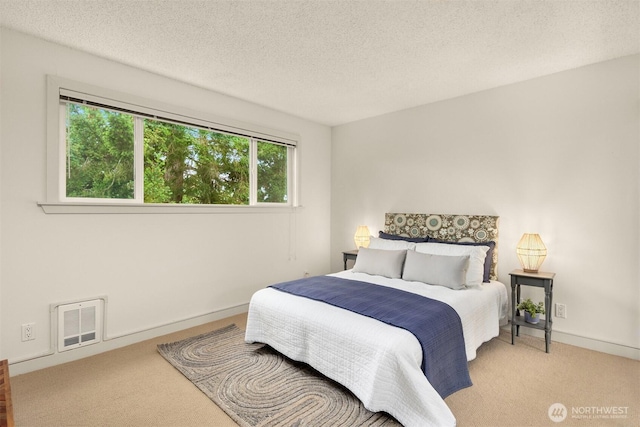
362 237
531 252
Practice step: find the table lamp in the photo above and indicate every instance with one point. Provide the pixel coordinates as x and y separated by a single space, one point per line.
362 237
531 252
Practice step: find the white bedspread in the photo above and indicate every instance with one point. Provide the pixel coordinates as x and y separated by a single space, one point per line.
379 363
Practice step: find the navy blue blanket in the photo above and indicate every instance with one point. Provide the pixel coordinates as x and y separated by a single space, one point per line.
435 324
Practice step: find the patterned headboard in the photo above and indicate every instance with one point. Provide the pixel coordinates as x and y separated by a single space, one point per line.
451 228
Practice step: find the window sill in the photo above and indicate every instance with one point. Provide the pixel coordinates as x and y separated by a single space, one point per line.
149 208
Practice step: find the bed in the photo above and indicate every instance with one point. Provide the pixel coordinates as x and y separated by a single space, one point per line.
380 363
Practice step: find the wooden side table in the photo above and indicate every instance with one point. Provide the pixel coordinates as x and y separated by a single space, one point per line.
349 255
540 280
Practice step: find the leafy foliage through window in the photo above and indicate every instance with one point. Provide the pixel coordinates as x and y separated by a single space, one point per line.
99 153
181 164
196 166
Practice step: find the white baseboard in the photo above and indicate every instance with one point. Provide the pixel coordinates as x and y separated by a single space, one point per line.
55 358
47 360
585 342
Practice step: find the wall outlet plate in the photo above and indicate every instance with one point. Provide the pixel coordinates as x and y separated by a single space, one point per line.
28 332
561 311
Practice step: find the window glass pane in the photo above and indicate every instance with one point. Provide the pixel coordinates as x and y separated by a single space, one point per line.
99 153
185 164
272 173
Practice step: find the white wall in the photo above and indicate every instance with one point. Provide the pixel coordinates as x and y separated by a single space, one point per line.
155 268
556 155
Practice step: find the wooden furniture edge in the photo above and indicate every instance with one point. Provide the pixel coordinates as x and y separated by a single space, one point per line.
6 405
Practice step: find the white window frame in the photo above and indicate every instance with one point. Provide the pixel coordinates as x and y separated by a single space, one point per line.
58 202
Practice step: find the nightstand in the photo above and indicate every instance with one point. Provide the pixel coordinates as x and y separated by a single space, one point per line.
540 280
349 255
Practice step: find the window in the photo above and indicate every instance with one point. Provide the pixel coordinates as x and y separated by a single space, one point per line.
114 151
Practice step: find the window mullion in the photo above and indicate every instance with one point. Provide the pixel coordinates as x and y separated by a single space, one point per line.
253 172
292 190
138 158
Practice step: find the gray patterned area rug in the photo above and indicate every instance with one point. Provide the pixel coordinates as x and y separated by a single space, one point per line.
257 386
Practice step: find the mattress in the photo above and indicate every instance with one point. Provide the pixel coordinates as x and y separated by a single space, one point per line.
379 363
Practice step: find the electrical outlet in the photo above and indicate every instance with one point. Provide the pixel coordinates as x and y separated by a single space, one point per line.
561 311
28 331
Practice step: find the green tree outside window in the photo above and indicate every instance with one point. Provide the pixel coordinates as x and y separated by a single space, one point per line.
99 153
182 164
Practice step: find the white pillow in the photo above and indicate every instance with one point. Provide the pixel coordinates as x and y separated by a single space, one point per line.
390 245
441 270
380 262
476 254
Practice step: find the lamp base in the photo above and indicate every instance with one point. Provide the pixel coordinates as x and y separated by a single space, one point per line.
529 271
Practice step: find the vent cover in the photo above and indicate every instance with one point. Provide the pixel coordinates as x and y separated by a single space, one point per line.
79 324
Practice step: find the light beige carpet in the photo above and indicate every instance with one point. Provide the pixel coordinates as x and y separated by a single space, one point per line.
515 385
256 386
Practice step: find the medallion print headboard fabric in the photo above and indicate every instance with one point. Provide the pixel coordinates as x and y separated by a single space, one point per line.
450 228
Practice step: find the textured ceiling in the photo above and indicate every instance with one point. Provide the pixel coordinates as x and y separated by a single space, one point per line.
335 62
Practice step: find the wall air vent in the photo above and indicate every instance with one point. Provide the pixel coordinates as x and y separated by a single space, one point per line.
79 324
